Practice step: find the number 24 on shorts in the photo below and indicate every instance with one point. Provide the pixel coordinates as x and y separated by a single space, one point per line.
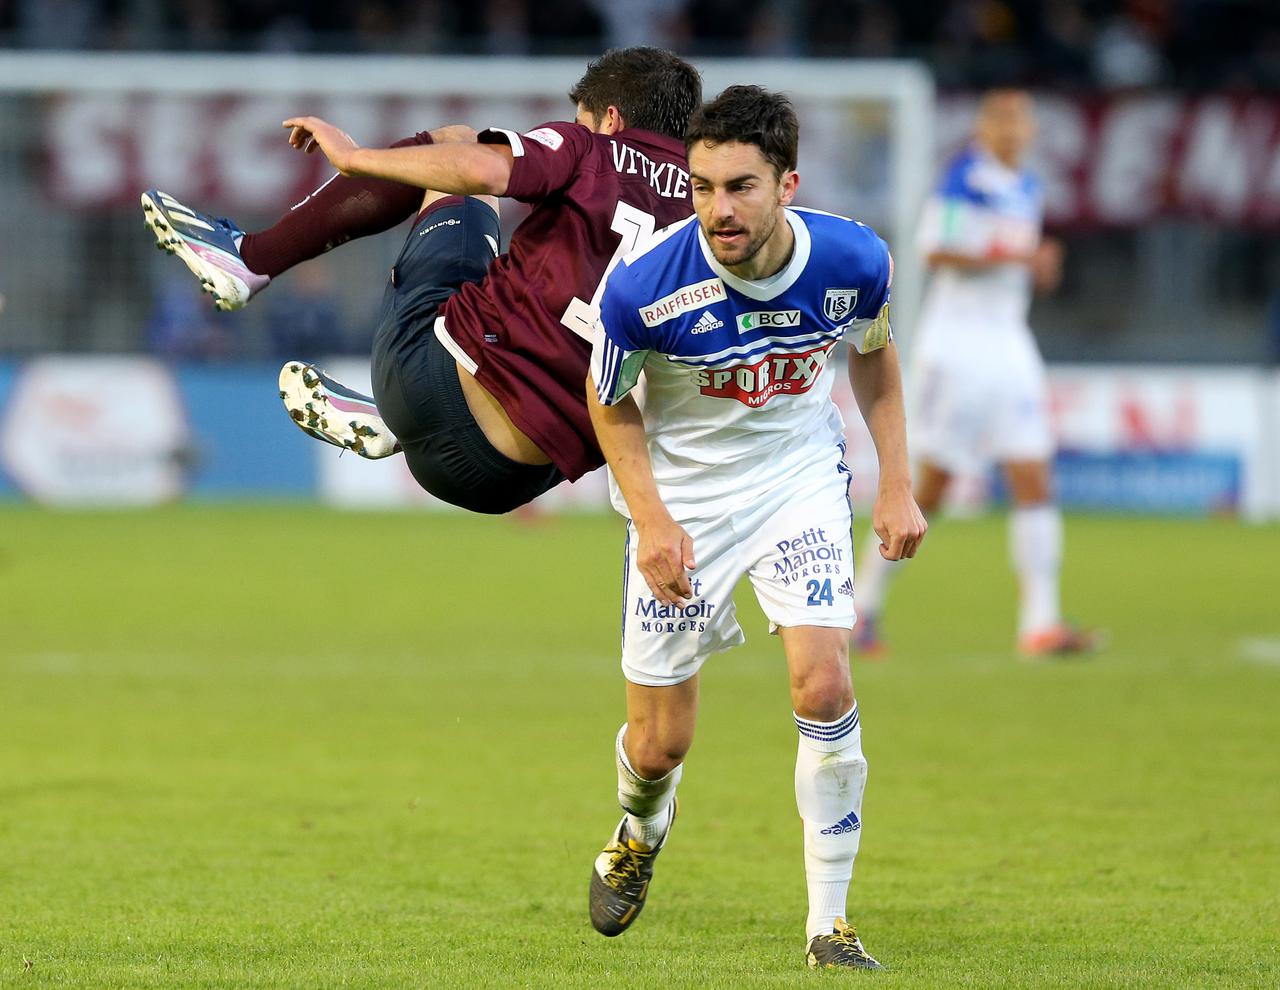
820 593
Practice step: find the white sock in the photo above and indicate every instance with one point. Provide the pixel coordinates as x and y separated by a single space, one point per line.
831 775
872 574
646 802
1035 547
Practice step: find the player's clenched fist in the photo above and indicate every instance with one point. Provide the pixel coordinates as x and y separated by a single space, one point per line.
664 554
309 133
899 523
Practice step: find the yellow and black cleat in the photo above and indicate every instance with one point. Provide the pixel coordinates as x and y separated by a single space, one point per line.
841 949
620 879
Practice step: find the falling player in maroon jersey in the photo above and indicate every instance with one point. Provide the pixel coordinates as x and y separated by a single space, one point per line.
478 357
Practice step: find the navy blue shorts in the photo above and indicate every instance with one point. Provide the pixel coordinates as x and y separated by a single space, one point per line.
415 379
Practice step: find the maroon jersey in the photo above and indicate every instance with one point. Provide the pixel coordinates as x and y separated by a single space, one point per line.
525 330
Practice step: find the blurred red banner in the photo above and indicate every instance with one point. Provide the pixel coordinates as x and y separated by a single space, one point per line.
1106 161
1124 160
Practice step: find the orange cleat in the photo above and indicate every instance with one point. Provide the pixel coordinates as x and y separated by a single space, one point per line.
1060 642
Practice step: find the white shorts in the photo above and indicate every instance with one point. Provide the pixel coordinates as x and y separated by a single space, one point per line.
969 410
796 547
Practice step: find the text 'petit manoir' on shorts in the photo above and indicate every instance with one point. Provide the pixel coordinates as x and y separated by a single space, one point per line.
794 544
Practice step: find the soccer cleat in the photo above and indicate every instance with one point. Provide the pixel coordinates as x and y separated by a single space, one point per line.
866 639
841 949
1062 641
207 245
620 879
327 410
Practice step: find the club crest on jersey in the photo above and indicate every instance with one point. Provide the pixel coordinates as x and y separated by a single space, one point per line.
756 383
838 304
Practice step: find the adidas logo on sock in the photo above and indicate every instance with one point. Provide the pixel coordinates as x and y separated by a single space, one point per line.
849 823
706 323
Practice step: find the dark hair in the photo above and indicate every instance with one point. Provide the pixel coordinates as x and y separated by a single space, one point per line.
749 115
652 89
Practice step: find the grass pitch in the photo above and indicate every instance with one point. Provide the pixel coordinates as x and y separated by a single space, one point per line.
267 747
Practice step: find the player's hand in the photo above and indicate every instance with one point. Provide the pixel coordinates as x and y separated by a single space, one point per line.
309 133
664 555
1046 265
898 522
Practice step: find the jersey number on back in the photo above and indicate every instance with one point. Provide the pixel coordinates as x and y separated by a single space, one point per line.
632 226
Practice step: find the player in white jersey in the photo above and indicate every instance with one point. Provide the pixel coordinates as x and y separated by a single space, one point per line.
978 383
731 465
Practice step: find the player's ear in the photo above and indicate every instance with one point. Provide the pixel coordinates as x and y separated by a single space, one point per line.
788 184
611 122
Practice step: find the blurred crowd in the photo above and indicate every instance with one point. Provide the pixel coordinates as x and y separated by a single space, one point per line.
303 314
1085 43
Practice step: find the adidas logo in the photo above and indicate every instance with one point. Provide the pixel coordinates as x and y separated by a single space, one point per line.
846 588
706 323
849 823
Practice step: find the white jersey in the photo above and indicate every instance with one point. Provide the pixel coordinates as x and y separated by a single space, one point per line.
978 393
737 387
982 209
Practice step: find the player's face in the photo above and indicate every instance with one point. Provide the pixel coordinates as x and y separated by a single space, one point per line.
1007 124
738 196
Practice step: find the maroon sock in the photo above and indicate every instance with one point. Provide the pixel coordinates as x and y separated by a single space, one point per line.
342 209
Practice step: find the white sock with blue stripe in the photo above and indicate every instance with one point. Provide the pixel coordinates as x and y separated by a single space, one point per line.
831 775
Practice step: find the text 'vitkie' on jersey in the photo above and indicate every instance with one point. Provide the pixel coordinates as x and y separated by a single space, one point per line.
737 384
524 331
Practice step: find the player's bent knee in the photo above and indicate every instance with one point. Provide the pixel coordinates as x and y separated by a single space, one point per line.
823 694
653 758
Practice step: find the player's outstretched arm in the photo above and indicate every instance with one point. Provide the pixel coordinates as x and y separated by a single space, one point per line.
457 168
664 553
877 385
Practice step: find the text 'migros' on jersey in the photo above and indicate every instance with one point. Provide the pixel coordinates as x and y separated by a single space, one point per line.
736 382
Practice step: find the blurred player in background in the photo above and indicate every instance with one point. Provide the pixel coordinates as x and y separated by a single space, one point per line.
478 358
737 458
979 394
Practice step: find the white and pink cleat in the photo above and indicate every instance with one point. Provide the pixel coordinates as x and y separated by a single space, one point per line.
209 246
334 413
